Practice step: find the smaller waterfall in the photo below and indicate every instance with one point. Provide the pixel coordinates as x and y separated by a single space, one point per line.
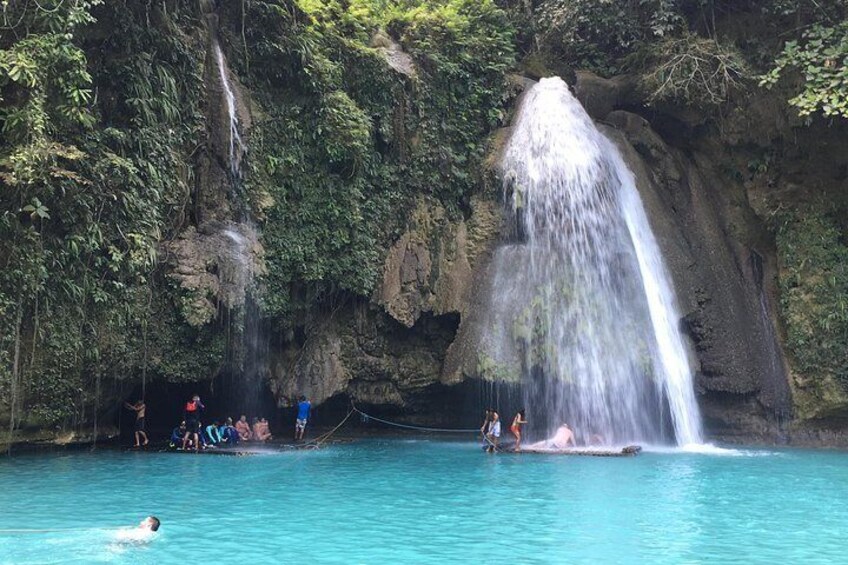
241 255
664 315
236 148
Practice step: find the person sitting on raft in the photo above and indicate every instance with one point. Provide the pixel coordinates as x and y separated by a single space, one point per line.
177 434
515 428
494 434
228 433
212 436
266 430
560 440
254 428
243 428
260 430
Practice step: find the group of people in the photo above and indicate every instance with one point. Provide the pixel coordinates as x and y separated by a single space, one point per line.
191 434
491 429
491 433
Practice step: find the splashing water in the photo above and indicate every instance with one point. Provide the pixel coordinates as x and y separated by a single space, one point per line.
585 292
236 144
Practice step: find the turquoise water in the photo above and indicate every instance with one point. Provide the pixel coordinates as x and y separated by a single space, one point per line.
401 501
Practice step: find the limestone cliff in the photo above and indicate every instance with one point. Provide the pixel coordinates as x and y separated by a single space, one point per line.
390 349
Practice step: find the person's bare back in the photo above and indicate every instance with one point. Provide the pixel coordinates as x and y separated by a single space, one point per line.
562 439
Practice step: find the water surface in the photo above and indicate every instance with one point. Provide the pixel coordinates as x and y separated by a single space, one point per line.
421 501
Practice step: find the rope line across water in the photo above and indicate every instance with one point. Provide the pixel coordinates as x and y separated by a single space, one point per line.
418 428
324 437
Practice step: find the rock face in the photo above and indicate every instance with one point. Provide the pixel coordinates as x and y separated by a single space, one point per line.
424 322
391 350
215 265
721 257
429 269
216 260
723 267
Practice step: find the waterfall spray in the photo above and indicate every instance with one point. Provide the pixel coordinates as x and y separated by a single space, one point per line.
592 310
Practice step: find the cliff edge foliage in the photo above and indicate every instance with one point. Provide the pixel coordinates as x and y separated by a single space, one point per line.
358 108
102 117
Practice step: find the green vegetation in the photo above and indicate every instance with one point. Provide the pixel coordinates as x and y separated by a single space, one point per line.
103 116
355 142
359 108
814 291
822 59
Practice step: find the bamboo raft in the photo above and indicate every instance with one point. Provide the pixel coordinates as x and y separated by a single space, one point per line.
628 451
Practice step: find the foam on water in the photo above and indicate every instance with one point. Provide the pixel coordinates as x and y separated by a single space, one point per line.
709 449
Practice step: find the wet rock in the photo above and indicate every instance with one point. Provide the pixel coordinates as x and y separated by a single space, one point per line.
399 60
429 269
709 241
600 96
215 266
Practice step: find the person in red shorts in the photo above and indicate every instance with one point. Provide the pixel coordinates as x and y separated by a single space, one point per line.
515 428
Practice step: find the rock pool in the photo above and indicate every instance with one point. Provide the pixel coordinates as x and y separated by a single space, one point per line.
428 501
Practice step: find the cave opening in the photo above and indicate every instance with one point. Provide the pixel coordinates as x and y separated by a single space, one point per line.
224 396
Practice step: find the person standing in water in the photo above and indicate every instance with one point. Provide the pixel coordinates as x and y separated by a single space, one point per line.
303 408
494 434
192 420
484 429
515 428
139 409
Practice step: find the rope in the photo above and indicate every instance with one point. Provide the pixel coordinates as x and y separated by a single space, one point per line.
324 437
418 428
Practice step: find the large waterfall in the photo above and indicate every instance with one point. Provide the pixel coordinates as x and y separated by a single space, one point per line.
582 296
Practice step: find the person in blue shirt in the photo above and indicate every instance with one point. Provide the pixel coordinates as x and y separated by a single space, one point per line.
228 433
212 435
177 434
303 408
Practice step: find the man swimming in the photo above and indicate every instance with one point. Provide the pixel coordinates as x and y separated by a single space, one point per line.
140 534
151 523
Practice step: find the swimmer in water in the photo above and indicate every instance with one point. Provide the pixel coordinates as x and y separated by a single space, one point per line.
151 523
142 533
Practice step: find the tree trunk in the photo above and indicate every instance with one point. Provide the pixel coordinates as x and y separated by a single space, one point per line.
15 370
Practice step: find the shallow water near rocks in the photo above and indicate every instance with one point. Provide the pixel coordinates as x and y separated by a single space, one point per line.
428 501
